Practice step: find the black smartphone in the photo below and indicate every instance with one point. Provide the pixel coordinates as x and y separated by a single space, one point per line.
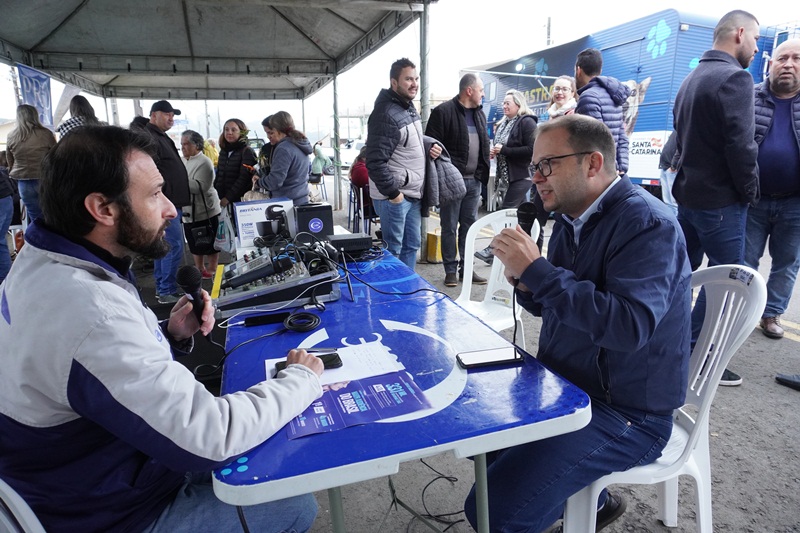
261 320
330 360
492 356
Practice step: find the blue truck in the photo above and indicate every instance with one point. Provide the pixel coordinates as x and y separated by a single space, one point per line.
652 55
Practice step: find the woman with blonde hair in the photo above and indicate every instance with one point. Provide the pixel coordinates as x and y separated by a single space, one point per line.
562 98
289 166
235 164
513 148
28 143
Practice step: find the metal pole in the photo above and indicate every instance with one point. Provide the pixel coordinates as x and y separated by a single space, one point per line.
303 112
337 159
425 105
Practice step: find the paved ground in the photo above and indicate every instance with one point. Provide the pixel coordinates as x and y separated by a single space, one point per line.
755 444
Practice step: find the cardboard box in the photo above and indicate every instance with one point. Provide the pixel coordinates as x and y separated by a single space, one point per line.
247 215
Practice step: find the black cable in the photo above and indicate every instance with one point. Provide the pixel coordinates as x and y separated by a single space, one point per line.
423 289
240 512
441 518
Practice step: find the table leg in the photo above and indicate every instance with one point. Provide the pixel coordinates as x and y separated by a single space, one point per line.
337 511
481 493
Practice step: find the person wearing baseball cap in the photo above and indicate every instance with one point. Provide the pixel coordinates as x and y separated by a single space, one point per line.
176 189
164 107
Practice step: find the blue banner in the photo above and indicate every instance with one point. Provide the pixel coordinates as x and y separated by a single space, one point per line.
36 92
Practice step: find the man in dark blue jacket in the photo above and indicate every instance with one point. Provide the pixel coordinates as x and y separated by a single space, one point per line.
614 295
460 125
716 155
777 215
601 97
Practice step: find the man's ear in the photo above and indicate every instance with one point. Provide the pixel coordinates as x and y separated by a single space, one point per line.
596 161
101 208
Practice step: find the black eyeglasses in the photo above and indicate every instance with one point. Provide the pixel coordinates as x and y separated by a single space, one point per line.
543 166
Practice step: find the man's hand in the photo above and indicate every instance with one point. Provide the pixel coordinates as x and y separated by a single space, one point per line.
398 199
182 322
301 357
435 151
516 250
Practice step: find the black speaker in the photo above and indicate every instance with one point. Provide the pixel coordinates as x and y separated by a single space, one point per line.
312 222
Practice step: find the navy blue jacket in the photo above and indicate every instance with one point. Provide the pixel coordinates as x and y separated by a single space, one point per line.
616 310
602 98
765 108
717 152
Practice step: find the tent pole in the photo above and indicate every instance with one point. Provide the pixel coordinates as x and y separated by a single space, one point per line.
426 108
337 159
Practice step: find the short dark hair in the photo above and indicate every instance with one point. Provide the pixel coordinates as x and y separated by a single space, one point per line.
398 66
467 81
194 138
585 134
590 61
91 159
730 22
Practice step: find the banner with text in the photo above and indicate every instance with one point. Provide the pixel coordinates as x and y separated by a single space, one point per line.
35 87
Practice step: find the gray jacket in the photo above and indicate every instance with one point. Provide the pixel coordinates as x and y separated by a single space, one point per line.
443 181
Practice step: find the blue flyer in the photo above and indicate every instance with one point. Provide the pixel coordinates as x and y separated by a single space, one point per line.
351 403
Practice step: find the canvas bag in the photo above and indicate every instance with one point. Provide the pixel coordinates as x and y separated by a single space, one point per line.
224 241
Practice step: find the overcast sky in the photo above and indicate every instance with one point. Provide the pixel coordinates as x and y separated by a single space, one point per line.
463 33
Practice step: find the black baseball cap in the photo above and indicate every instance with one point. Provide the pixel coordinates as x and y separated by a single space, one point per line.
166 107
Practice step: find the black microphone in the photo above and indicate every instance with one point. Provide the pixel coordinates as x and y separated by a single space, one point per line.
526 216
190 280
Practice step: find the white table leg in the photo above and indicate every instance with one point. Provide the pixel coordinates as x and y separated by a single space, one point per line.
481 493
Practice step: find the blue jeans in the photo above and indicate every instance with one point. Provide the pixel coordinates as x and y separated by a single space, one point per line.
6 214
457 217
529 484
166 268
29 194
401 225
667 181
720 235
196 508
778 219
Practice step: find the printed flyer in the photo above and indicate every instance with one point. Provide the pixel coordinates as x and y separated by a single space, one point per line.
350 403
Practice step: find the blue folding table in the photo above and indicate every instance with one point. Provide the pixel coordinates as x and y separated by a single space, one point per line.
473 412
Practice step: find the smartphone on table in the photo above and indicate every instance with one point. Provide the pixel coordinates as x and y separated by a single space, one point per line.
492 356
330 360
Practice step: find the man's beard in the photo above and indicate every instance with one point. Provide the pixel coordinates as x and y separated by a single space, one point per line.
133 236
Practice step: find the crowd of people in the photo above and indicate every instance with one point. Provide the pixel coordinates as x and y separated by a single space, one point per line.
113 417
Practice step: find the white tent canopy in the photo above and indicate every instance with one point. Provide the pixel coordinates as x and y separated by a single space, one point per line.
199 49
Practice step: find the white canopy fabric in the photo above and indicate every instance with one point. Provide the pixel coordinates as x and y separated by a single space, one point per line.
198 49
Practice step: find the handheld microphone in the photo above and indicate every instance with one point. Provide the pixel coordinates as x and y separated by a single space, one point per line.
190 280
526 216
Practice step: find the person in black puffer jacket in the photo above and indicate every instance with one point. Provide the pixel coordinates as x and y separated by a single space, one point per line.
236 163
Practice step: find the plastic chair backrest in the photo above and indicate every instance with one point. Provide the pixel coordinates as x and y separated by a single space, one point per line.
735 299
498 290
15 512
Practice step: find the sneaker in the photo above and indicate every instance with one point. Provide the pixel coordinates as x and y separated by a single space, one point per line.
450 279
165 299
730 379
485 255
611 510
771 327
789 380
206 274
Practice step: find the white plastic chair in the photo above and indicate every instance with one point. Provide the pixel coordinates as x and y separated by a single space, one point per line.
15 514
735 299
495 308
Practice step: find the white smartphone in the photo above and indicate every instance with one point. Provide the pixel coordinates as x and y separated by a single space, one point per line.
492 356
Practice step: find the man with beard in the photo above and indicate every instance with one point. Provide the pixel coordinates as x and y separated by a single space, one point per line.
100 424
716 153
396 162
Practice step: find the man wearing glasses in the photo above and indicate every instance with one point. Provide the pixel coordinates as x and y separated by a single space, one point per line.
614 295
